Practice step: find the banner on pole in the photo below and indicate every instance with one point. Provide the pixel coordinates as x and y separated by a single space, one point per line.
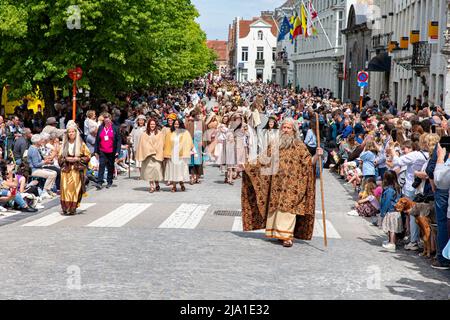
433 32
414 37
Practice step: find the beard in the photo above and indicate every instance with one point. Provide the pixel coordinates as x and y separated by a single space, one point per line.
287 140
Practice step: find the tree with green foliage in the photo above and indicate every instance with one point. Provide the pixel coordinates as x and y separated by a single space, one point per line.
121 45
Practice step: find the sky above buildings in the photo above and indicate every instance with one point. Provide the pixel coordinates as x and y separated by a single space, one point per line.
216 15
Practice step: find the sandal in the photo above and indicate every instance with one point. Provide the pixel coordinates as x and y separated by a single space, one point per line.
191 181
288 243
152 190
158 187
174 189
183 188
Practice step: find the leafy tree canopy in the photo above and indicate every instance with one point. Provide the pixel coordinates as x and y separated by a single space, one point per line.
120 45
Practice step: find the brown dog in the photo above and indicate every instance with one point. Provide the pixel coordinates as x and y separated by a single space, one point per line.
424 215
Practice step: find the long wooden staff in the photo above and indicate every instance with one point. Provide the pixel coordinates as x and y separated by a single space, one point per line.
321 184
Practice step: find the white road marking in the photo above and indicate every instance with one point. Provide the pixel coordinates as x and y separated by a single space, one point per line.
54 217
331 231
120 216
187 216
238 227
318 228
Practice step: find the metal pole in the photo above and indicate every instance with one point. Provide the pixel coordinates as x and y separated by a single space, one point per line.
321 184
74 100
361 94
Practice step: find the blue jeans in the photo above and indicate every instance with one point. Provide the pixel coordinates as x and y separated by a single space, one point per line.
17 199
440 206
413 227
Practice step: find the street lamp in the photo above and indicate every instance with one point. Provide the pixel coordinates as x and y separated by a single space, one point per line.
75 75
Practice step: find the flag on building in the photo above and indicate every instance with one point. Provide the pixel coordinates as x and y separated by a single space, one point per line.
285 29
297 28
309 20
312 11
304 23
291 30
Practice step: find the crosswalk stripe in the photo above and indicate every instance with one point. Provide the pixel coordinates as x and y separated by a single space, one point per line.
331 231
237 226
318 228
120 216
187 216
54 217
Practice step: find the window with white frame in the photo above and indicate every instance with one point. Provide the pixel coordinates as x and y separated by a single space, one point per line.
244 53
260 53
340 26
260 35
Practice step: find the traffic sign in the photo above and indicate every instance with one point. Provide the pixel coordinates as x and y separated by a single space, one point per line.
363 76
362 84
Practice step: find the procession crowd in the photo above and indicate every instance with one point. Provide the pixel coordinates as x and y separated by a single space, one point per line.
387 155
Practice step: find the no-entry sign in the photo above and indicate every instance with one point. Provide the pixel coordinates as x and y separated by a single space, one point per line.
363 76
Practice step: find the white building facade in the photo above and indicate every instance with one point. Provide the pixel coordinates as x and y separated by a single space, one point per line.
318 60
253 51
419 69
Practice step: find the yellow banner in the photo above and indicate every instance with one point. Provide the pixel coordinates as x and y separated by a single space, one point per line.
414 37
433 32
404 42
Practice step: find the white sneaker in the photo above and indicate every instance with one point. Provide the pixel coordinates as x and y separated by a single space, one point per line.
412 246
385 242
389 246
45 195
3 209
39 206
353 213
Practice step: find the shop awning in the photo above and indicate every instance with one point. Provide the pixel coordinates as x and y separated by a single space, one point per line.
381 63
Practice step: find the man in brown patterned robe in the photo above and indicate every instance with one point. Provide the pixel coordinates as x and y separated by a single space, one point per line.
278 191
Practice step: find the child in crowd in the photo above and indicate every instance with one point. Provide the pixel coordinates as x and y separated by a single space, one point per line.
368 204
368 159
391 220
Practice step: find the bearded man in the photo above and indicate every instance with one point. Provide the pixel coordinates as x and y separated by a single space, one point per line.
278 192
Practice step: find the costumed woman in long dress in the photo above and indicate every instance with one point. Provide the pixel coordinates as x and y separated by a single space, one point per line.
73 159
210 136
178 146
241 136
268 134
196 127
136 133
150 152
229 154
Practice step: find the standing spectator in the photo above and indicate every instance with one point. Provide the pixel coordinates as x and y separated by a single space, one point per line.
414 160
390 218
441 176
51 127
368 158
13 131
107 149
407 104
